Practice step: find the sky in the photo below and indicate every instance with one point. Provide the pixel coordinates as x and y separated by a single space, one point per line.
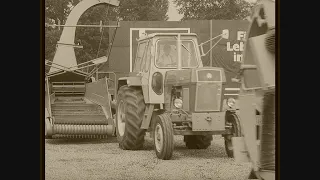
175 16
173 13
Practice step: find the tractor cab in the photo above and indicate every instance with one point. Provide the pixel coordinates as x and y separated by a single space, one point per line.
168 61
168 51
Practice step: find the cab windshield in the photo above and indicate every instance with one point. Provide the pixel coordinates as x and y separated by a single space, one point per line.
167 54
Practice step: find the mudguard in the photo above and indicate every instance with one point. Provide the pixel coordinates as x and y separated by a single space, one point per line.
132 81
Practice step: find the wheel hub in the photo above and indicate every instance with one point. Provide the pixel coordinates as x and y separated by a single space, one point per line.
123 116
158 137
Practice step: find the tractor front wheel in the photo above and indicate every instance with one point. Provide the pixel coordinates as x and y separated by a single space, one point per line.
129 115
234 122
163 137
198 141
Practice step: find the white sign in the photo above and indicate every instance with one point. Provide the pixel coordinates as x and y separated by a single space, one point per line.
237 48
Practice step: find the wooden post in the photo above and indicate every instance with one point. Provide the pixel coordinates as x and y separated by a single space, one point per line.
210 43
179 51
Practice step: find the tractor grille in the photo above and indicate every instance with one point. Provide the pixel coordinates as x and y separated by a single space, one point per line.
208 97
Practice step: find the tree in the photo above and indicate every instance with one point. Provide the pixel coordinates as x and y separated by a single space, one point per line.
213 9
142 10
58 10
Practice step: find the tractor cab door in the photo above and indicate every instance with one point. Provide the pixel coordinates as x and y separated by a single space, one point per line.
142 66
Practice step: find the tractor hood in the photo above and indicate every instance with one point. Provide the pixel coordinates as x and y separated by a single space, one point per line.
204 74
201 88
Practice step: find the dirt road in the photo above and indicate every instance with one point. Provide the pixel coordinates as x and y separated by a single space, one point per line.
103 159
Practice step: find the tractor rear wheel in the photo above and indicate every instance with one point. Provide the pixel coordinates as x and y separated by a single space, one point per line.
233 120
270 41
130 110
163 137
198 141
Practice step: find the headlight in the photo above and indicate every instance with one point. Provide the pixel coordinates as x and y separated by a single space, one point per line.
178 103
231 102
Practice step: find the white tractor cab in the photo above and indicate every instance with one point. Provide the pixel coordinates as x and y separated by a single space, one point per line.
170 93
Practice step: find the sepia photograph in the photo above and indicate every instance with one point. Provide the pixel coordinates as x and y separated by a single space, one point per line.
160 90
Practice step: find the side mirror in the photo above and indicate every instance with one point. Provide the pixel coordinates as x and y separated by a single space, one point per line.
225 34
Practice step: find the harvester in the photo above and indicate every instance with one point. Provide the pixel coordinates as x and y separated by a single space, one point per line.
257 94
168 93
75 108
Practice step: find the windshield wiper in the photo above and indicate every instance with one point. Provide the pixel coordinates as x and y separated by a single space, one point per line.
184 47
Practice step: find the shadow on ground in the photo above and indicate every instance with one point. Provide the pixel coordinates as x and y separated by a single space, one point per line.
82 141
216 150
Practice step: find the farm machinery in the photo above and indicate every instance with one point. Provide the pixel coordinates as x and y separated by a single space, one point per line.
168 93
257 95
74 107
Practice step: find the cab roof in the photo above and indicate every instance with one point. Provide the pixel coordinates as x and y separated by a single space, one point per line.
149 36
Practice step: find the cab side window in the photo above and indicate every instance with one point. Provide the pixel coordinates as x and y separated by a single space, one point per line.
140 52
145 66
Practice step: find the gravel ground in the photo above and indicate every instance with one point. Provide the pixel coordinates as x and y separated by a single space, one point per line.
103 159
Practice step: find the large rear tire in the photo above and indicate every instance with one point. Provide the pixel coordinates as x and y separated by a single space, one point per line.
198 141
233 120
268 132
130 110
270 41
163 137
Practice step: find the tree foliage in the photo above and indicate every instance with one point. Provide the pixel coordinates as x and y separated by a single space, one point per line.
94 41
143 10
92 38
58 10
213 9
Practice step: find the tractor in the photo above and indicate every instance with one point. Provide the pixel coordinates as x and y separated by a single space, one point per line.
170 93
258 92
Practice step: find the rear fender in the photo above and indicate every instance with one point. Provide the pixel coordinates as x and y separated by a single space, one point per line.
130 81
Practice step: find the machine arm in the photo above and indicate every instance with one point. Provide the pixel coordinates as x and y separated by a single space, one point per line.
224 35
65 55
